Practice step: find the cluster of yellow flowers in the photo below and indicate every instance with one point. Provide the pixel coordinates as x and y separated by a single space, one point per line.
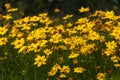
98 32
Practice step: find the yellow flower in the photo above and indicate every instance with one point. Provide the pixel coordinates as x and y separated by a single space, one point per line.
73 55
62 75
3 41
18 43
47 52
7 5
109 51
111 44
79 70
12 10
93 35
56 10
82 9
40 60
23 49
52 72
7 17
101 76
65 69
67 16
3 30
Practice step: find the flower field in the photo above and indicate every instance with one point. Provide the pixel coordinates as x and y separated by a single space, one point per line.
40 47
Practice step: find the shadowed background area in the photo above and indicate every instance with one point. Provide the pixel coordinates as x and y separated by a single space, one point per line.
31 7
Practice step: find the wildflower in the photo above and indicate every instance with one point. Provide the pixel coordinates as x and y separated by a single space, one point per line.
56 66
7 5
61 59
40 60
23 49
3 41
52 72
62 75
111 45
82 9
93 35
47 52
34 18
12 10
65 69
101 76
109 51
18 43
79 70
75 61
73 55
7 17
67 17
3 30
56 10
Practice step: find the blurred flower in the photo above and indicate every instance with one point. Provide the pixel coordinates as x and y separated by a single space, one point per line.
65 69
101 76
3 41
79 70
56 10
7 5
40 60
82 9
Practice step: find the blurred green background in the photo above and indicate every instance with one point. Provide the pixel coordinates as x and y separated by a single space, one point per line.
31 7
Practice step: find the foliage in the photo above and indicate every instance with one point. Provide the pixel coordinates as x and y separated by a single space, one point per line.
40 47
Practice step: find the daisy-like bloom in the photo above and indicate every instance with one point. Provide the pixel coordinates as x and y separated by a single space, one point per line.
54 69
82 9
65 69
40 60
73 55
109 52
62 75
7 17
3 30
52 72
79 70
18 43
47 52
111 45
3 41
7 6
101 76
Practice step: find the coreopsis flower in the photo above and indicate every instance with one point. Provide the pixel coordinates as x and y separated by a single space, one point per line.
101 76
23 49
40 60
47 52
67 16
3 41
111 44
7 17
52 72
79 70
62 75
73 55
3 30
65 69
82 9
18 43
12 9
7 6
109 52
